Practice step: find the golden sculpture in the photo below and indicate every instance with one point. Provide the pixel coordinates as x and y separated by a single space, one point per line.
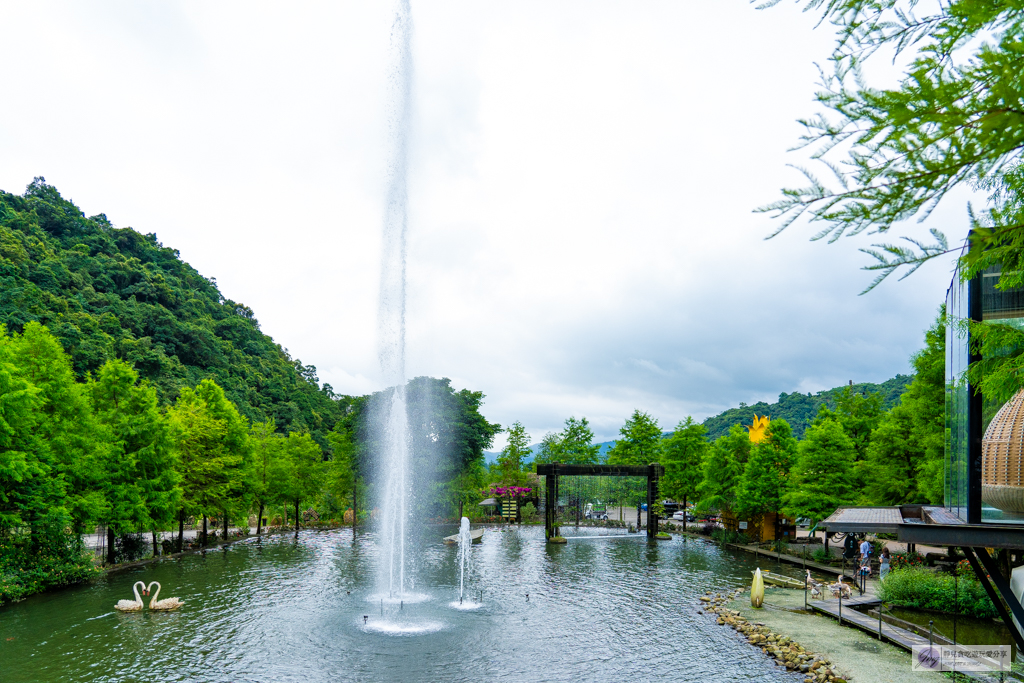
759 429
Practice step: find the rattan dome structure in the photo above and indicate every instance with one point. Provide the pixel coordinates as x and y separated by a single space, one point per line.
1002 458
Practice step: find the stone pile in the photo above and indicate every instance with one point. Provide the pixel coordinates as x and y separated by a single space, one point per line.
786 652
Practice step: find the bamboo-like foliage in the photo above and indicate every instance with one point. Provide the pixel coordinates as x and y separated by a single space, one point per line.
956 119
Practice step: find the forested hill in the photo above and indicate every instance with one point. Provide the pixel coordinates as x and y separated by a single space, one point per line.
799 409
109 292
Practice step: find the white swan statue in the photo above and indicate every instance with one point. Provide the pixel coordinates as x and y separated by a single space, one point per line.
132 605
166 603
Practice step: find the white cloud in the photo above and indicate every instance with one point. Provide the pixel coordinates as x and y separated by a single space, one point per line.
582 239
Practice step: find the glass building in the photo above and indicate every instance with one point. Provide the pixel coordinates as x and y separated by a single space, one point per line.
984 469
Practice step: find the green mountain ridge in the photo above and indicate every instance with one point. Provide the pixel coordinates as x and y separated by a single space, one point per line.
109 292
799 409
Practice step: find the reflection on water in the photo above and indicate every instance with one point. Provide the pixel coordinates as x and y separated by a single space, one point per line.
304 609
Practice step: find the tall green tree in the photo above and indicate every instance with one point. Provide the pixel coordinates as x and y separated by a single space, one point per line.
720 473
925 399
68 448
822 475
549 451
640 443
514 455
141 478
266 450
577 445
299 473
22 493
766 472
213 447
906 453
682 454
894 460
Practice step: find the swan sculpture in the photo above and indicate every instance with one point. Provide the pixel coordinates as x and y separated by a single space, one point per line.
166 603
132 605
813 585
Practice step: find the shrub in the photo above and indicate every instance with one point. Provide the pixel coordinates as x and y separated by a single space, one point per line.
905 560
923 589
58 559
707 528
528 512
822 556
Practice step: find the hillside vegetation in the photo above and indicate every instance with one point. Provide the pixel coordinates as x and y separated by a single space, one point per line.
799 410
107 292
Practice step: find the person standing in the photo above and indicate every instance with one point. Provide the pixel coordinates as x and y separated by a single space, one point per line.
865 552
883 564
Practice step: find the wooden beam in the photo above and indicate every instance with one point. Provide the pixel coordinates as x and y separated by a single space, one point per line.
592 470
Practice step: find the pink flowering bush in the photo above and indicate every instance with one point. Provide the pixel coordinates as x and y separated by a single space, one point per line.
510 491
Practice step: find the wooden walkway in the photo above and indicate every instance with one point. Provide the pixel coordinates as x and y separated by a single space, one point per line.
791 559
851 617
893 634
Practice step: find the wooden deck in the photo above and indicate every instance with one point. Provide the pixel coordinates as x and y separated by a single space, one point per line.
899 637
852 617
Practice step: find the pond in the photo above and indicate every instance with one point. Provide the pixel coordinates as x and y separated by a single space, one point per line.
292 608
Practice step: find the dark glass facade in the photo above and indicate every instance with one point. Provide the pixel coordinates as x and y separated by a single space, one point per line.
967 412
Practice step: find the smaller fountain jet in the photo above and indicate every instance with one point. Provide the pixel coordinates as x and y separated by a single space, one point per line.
464 560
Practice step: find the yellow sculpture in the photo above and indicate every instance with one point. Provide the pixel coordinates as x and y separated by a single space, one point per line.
758 430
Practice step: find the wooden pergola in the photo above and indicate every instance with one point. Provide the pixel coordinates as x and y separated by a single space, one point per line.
553 471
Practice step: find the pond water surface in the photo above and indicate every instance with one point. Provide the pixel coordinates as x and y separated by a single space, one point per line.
290 608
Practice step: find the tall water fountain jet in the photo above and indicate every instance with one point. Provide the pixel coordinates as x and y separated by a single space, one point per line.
391 312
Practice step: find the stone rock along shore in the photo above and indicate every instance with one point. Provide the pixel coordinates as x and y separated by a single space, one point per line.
782 649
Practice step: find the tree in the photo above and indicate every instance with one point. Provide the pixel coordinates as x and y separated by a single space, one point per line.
21 471
858 416
342 473
682 453
925 399
640 443
766 472
67 447
266 448
894 459
954 120
213 446
720 473
822 475
141 479
513 456
300 471
549 451
907 449
576 445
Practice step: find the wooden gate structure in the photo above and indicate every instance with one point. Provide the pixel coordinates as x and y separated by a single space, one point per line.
553 471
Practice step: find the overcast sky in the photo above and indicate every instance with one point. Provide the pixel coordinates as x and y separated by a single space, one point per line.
583 175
